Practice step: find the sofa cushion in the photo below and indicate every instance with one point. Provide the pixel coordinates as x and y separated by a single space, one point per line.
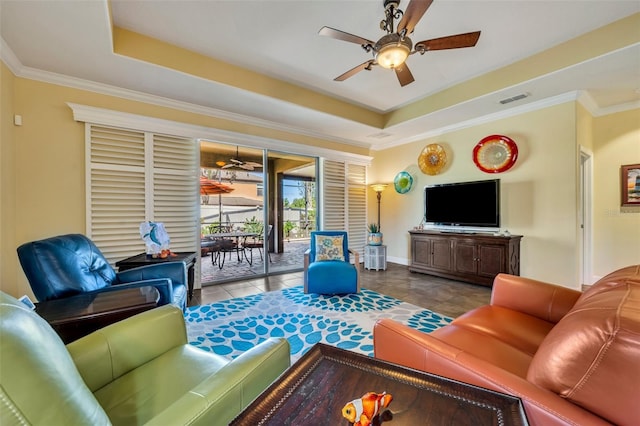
130 400
522 331
485 347
590 356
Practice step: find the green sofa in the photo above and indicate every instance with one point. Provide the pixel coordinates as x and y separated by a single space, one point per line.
138 371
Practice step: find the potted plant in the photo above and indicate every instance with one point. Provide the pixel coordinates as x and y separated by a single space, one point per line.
375 236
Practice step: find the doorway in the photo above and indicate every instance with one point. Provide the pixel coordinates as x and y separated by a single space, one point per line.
258 223
585 215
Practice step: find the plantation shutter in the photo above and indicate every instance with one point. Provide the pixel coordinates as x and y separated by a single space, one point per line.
134 176
344 201
334 196
357 203
175 190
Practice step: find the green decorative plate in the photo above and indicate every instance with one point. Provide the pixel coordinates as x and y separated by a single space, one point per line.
403 182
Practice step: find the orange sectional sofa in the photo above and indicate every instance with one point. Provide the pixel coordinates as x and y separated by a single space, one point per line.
572 357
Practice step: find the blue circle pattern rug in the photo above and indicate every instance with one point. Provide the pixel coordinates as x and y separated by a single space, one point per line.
231 327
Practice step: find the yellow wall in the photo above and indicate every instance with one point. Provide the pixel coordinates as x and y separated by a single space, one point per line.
8 270
43 166
538 193
616 238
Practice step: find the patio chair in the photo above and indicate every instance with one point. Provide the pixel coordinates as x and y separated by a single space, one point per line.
251 243
327 267
67 265
221 247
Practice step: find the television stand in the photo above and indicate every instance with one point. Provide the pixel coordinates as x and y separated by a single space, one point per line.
476 258
452 231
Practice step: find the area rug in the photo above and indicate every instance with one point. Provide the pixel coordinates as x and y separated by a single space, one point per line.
231 327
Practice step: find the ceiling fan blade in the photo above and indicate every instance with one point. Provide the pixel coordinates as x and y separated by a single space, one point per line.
404 75
449 42
341 35
245 166
227 166
355 70
412 15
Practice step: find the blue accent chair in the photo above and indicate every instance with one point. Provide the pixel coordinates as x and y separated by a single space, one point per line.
67 265
331 276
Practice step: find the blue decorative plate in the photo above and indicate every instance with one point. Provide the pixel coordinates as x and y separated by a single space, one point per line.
403 182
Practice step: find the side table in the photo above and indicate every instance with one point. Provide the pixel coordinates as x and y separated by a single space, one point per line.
76 316
188 257
375 257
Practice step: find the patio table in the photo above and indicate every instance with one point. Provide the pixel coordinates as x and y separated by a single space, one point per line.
237 247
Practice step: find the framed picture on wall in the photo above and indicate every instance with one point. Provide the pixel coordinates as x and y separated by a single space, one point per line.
630 185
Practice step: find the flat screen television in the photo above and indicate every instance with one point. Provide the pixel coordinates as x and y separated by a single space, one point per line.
463 204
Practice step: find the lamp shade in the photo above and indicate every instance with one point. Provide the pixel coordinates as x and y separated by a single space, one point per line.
378 187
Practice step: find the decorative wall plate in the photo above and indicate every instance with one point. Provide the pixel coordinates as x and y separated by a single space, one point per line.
495 154
403 182
432 159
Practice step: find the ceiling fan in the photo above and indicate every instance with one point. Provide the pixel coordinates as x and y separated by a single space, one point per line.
392 49
236 162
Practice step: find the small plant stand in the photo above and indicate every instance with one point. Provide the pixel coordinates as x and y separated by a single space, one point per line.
375 257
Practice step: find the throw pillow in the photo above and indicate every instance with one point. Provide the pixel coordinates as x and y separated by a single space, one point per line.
329 247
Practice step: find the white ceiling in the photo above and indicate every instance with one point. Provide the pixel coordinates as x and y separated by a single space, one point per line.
58 39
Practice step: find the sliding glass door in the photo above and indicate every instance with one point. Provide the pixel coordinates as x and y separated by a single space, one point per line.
292 205
257 208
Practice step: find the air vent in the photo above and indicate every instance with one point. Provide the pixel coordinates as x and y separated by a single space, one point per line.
380 135
514 98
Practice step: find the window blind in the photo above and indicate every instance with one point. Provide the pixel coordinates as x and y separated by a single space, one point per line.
344 201
357 204
334 197
133 176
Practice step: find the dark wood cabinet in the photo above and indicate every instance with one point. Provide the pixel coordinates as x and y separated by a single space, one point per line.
432 252
475 258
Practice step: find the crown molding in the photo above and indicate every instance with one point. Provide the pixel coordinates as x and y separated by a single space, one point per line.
587 101
9 58
13 63
106 117
18 69
617 108
511 112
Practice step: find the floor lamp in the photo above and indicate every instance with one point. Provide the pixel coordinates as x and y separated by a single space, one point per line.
379 187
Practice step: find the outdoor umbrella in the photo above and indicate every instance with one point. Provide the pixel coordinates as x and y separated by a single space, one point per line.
210 187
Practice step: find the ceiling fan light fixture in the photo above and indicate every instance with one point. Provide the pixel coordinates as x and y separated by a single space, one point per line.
392 50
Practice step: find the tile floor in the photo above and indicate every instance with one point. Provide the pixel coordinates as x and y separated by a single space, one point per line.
447 297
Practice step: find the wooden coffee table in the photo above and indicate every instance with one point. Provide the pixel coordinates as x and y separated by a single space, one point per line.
76 316
318 385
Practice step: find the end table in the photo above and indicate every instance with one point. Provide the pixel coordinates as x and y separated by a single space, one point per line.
76 316
188 258
375 257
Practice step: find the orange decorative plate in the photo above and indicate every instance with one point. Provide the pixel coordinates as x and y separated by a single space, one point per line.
495 154
432 159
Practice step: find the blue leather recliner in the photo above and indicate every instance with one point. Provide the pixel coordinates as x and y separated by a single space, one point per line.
327 267
67 265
